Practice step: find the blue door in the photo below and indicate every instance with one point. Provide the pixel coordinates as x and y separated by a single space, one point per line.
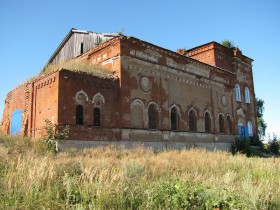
243 132
246 132
16 122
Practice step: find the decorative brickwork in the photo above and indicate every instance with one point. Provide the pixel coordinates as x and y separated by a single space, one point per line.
151 94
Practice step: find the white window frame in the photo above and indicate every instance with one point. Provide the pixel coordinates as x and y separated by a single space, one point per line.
250 128
247 95
237 92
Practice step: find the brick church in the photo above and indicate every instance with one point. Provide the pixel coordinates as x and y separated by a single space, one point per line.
115 89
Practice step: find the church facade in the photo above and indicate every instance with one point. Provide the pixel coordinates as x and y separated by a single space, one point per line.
145 95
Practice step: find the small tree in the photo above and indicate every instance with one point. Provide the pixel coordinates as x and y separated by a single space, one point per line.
228 43
53 134
260 121
274 145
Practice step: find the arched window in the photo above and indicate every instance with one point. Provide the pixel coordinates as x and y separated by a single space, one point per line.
247 95
81 98
250 128
192 121
221 123
229 124
174 119
96 117
237 92
79 115
207 121
137 114
153 116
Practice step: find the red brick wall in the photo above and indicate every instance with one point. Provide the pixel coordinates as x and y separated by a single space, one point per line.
70 83
45 102
19 98
175 80
231 60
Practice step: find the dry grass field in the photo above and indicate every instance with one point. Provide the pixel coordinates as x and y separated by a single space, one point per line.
32 177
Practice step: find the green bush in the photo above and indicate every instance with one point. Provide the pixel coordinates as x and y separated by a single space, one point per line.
242 146
274 146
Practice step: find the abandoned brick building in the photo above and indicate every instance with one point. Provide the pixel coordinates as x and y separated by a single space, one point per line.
111 88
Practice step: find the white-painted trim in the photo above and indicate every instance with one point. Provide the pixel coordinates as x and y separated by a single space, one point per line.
237 92
81 92
157 106
97 96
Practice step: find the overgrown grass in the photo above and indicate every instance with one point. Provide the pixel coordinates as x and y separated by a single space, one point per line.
78 65
109 178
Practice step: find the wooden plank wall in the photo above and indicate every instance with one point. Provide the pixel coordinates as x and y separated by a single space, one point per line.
72 47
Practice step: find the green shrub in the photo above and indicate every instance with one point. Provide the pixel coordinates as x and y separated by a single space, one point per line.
242 146
53 134
274 146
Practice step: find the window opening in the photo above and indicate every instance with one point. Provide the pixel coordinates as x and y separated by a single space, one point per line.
192 121
207 123
174 119
221 123
79 115
153 117
96 117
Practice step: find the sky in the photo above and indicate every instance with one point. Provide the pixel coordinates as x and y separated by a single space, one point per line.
31 30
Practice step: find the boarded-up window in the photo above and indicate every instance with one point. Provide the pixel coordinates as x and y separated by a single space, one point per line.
96 117
250 128
192 121
174 119
153 117
16 122
137 115
79 115
221 123
207 121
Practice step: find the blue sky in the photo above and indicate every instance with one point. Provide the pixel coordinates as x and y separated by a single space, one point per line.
30 31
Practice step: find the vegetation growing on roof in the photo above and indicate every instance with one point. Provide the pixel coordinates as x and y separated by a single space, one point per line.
77 65
228 43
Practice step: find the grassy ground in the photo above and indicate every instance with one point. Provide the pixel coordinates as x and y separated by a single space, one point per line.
31 177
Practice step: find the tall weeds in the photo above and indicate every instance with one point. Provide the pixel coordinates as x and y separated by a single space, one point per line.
109 178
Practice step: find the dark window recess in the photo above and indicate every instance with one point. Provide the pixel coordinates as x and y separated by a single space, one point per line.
221 124
192 121
153 117
229 122
96 117
207 123
79 115
174 119
82 48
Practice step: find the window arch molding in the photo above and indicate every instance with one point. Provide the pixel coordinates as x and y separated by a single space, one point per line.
207 121
192 119
174 113
247 95
81 99
137 101
98 97
137 111
237 92
154 103
78 98
153 116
